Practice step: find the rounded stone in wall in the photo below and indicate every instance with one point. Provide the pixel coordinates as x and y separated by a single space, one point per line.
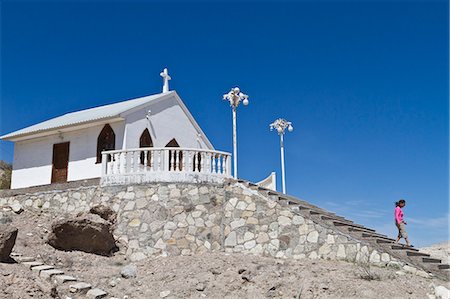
313 237
284 241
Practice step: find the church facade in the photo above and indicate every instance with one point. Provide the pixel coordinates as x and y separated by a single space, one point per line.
70 147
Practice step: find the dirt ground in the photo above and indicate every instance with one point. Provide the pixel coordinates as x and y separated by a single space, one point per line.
212 275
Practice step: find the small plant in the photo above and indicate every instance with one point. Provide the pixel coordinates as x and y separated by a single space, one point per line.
5 175
366 272
364 268
118 263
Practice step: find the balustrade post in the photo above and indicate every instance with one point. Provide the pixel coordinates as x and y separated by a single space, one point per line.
165 162
185 160
214 163
145 162
209 162
158 166
104 163
122 163
219 164
115 163
202 162
136 161
131 161
152 160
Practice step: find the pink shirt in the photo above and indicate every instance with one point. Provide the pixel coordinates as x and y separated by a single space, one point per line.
398 215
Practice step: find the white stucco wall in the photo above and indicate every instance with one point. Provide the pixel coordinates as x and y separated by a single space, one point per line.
167 121
32 165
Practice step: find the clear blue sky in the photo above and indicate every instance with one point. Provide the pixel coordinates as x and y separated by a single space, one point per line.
364 83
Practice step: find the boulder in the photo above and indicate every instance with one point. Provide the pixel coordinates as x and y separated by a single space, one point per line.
105 212
86 232
8 235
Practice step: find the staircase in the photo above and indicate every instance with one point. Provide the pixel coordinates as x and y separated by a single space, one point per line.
380 242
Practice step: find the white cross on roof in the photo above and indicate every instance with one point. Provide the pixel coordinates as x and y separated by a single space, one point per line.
166 78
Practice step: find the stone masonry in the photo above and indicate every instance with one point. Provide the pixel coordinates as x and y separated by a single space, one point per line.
182 219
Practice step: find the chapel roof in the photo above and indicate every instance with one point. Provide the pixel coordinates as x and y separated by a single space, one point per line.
86 116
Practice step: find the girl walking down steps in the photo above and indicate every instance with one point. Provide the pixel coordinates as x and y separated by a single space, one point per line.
399 222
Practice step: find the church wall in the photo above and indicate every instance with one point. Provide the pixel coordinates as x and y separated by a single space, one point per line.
32 164
167 121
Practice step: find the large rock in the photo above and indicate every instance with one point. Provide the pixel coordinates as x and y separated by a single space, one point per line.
105 212
8 235
86 232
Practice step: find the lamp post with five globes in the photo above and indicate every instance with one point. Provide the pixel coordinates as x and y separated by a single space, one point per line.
280 125
235 96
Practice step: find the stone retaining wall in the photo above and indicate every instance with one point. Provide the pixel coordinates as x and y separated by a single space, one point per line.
173 219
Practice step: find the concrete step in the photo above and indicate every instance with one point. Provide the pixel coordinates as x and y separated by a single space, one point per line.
416 253
334 217
431 260
382 240
402 247
300 207
444 266
326 216
363 230
96 294
80 287
340 223
64 278
22 259
376 235
47 274
32 264
331 218
41 268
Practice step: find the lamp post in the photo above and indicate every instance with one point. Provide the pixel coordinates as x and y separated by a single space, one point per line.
235 96
280 125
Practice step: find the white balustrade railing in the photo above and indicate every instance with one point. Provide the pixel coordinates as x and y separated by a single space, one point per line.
166 162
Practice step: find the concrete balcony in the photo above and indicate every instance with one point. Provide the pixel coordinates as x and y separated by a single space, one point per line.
169 164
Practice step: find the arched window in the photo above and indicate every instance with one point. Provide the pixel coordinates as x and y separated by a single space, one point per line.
145 141
174 143
106 141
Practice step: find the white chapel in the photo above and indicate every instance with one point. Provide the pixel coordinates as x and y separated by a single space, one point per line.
139 140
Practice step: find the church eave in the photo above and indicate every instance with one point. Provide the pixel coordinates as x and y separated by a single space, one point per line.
60 129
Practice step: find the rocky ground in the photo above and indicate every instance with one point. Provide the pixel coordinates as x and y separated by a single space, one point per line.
212 275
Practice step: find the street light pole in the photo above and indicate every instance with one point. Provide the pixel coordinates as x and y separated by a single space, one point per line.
234 144
280 125
283 179
234 97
